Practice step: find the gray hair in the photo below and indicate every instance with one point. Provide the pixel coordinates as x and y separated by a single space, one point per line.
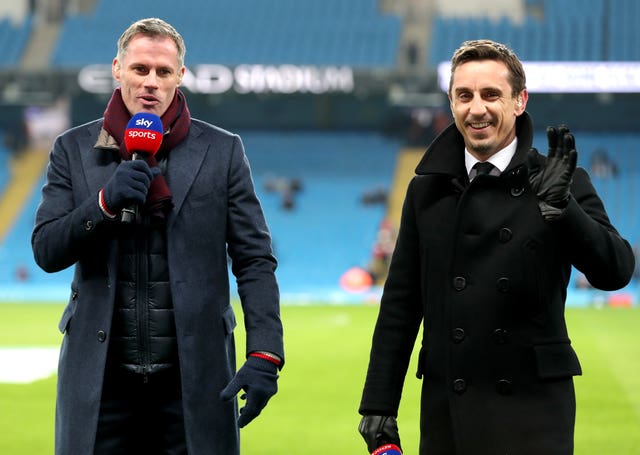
151 27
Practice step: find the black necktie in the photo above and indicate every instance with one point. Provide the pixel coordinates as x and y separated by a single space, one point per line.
483 168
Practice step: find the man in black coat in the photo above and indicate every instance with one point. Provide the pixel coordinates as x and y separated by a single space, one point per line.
483 257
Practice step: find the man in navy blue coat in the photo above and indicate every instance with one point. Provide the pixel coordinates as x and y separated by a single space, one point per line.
147 362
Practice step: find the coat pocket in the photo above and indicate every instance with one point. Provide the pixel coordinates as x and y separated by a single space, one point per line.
229 320
68 312
556 360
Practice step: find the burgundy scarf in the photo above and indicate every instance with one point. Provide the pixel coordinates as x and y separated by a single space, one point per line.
175 121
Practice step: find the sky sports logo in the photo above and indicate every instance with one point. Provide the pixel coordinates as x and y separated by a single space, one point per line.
142 134
144 122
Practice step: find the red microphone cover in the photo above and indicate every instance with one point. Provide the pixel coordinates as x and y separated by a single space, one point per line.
387 449
144 133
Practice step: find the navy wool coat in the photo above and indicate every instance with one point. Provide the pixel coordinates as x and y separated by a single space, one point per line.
215 207
487 275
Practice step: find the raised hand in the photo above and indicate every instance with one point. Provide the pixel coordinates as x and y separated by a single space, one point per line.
550 179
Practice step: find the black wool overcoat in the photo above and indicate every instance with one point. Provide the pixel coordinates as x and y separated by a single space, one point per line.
487 275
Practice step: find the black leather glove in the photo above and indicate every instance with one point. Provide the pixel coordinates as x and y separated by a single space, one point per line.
379 430
551 181
259 379
129 184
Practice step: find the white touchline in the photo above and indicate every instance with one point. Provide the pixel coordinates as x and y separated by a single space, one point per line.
25 364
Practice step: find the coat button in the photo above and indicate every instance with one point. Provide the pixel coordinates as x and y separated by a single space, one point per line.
503 284
459 283
457 334
500 336
459 386
101 336
504 387
517 191
505 235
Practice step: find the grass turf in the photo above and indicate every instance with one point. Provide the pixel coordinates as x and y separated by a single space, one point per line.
315 411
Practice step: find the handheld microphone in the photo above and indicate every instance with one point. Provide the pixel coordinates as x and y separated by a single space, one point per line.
387 449
143 135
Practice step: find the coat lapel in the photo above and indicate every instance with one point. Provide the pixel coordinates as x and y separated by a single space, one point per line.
183 165
98 158
98 154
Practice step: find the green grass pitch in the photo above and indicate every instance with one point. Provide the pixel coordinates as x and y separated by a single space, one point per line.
315 411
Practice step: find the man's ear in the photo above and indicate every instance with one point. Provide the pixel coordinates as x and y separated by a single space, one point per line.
521 102
181 75
115 69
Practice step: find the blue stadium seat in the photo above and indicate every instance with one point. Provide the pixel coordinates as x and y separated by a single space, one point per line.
623 34
5 156
561 34
13 40
328 231
304 32
620 192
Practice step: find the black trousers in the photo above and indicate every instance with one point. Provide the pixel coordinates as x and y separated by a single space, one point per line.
141 416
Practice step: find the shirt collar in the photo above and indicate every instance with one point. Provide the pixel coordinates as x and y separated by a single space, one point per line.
500 160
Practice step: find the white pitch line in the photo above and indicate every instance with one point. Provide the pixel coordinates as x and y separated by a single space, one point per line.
23 365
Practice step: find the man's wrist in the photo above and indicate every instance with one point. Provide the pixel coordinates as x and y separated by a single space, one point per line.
269 356
104 208
549 212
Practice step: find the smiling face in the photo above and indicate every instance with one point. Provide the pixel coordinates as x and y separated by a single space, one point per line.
484 107
149 73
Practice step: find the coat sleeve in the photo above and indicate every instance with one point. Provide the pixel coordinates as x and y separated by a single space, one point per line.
253 261
595 246
398 320
68 218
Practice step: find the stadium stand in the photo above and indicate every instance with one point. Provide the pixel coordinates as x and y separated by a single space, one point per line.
614 166
602 31
622 30
4 152
305 32
5 155
18 271
13 40
328 229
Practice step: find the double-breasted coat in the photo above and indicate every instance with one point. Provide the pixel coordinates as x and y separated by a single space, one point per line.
487 275
215 207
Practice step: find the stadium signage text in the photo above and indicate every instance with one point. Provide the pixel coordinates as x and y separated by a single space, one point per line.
216 79
571 77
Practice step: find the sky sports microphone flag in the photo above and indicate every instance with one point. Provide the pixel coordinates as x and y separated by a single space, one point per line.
143 136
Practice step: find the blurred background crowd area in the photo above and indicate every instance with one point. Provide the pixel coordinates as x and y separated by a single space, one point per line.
335 100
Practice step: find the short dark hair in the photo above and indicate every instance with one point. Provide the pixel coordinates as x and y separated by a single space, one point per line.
484 49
